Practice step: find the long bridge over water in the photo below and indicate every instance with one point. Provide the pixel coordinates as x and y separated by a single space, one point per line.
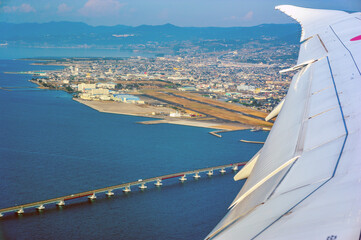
126 187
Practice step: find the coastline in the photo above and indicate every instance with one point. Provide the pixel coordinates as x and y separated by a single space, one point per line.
145 111
159 113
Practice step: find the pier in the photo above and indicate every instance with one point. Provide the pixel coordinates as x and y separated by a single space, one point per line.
256 142
217 133
125 187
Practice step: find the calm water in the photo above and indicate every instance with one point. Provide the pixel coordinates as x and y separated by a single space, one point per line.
18 52
51 145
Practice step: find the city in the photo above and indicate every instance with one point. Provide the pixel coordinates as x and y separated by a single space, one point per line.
182 120
246 77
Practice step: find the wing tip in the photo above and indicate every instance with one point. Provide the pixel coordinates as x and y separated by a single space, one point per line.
287 9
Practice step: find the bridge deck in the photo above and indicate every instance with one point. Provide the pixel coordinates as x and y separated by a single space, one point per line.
106 189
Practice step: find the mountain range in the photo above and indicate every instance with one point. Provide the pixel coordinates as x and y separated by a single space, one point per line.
76 33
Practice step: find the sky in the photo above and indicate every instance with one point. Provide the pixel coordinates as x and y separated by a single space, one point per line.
197 13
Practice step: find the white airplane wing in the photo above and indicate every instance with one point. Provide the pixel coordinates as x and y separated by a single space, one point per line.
305 183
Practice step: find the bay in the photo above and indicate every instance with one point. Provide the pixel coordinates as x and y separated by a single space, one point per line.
51 146
33 52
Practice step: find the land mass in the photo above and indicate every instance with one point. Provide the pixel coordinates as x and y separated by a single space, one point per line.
161 39
159 112
168 91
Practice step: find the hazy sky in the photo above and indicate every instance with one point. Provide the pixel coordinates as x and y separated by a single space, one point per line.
154 12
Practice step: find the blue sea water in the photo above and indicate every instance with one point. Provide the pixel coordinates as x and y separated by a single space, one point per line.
32 52
51 146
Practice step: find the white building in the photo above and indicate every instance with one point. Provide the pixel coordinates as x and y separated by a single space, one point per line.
105 97
245 88
175 114
109 85
84 86
99 91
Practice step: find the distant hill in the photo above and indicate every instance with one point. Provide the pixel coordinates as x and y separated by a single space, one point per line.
75 33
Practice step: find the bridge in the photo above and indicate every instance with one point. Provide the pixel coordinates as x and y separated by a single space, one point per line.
126 187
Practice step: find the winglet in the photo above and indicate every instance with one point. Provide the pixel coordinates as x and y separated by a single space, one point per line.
312 21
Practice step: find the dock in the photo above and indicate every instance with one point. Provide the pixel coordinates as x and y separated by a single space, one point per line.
217 133
256 142
125 187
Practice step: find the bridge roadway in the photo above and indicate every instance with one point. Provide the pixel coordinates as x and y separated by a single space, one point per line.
91 194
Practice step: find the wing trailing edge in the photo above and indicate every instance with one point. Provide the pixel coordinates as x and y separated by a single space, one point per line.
317 195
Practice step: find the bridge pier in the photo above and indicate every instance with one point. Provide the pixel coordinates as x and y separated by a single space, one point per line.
20 211
142 186
183 178
61 203
92 197
109 193
40 208
158 183
196 176
127 189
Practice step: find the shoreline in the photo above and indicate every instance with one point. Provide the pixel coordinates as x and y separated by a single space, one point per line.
131 110
159 113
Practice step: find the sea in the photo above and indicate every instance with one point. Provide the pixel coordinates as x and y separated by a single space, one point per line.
51 145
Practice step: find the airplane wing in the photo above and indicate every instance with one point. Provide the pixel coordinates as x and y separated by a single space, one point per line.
305 183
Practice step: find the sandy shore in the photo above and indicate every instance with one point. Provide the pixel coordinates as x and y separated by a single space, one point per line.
156 112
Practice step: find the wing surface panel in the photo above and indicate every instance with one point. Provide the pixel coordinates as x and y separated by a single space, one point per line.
328 127
273 155
328 99
286 133
249 226
319 163
320 122
312 49
333 210
249 204
345 34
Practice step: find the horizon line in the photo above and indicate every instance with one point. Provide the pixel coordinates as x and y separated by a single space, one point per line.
150 25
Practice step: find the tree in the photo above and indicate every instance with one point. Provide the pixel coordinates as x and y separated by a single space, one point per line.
68 89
